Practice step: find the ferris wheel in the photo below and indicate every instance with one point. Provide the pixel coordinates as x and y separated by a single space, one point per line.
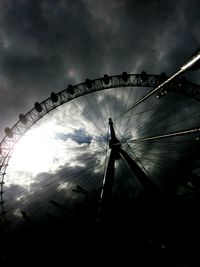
106 142
92 144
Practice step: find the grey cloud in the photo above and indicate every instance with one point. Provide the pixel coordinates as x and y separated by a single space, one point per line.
45 45
80 136
47 186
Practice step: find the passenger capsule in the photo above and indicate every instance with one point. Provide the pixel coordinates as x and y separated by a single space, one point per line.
70 89
9 132
124 76
88 83
22 118
143 76
38 107
54 97
106 79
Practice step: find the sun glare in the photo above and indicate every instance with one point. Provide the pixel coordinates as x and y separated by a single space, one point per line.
36 150
40 151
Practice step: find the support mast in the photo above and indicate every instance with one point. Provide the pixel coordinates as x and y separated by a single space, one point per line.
116 153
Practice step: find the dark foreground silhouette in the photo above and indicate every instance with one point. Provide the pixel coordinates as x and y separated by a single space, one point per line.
146 232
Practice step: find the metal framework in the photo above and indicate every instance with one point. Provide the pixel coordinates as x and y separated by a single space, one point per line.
116 153
26 121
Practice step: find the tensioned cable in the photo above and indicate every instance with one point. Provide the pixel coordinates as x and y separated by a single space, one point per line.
133 153
135 124
95 108
159 87
37 195
115 94
57 193
63 174
90 119
171 124
178 133
139 125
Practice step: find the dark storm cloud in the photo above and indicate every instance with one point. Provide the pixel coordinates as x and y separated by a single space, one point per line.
45 46
41 44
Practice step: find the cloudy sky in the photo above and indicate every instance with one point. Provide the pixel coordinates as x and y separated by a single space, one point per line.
46 46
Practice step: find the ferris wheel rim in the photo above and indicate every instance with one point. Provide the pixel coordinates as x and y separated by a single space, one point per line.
9 141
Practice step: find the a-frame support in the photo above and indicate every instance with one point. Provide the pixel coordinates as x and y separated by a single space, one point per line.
116 153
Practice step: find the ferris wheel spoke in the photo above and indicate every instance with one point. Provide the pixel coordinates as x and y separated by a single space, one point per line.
159 87
156 117
84 139
167 135
96 128
94 107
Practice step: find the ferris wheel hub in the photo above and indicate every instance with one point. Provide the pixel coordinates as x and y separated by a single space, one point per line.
114 143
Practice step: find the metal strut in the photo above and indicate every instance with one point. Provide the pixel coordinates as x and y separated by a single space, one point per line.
107 190
116 153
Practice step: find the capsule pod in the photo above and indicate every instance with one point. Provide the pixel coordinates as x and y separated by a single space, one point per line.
143 76
106 79
22 118
54 97
9 132
124 76
70 89
88 83
38 107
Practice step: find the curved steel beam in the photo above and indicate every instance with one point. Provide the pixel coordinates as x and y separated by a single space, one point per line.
26 121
